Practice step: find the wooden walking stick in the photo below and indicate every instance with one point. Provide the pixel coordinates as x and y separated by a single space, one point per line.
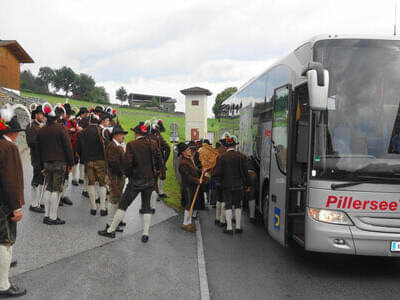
208 158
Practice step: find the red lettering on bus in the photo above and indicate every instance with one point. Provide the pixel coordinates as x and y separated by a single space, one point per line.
374 205
331 200
357 204
383 205
393 206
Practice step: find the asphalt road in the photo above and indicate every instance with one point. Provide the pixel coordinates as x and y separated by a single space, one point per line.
254 266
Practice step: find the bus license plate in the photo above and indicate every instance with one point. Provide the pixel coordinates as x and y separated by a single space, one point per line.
395 246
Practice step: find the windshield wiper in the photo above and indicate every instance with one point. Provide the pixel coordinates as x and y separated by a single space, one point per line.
369 179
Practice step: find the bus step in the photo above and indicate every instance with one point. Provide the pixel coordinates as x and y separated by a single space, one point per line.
293 189
299 238
296 214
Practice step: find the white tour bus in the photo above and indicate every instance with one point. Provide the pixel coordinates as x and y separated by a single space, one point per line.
322 127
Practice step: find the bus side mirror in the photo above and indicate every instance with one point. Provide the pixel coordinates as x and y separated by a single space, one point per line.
318 86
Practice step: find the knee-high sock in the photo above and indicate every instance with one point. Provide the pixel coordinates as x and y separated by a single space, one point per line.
5 261
222 217
35 196
40 189
65 187
103 195
85 184
153 199
218 210
46 201
118 217
112 208
161 186
228 214
54 201
81 171
252 208
238 216
92 196
146 223
74 172
185 218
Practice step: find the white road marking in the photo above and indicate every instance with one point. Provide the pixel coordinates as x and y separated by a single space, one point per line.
201 262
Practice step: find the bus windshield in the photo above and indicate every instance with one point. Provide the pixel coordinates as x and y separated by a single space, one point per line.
359 134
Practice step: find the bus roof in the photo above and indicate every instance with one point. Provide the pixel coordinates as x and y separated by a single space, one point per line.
298 66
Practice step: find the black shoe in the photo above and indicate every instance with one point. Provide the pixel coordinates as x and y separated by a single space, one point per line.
57 221
60 203
14 263
85 194
98 200
107 234
253 220
158 199
36 209
66 200
145 238
75 183
122 224
240 230
163 195
42 205
103 212
45 219
93 212
217 222
108 192
228 231
222 224
12 292
81 181
119 229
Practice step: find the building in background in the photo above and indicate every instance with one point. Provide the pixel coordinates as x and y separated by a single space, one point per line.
163 103
11 56
196 113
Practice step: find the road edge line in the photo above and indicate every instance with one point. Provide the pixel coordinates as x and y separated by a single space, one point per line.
201 263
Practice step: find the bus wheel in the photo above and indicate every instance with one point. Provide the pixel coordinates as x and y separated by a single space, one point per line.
265 211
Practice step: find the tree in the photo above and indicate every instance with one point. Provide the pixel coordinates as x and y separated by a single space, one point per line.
83 86
121 94
221 97
30 82
154 102
64 79
99 95
46 75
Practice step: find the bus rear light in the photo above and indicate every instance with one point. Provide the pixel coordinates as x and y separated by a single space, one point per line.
329 216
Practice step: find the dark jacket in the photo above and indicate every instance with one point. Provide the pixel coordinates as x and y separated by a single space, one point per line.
142 159
32 141
11 176
231 168
165 149
84 123
115 156
89 144
55 144
189 172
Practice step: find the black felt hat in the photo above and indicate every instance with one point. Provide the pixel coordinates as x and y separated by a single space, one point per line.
181 147
38 109
229 141
68 109
99 109
141 128
104 116
160 126
118 130
82 110
11 126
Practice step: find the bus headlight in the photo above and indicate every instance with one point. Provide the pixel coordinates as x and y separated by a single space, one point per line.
329 216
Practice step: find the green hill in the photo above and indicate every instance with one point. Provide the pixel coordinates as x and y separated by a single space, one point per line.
129 118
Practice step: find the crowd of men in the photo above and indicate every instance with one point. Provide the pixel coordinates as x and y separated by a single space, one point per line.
226 186
91 146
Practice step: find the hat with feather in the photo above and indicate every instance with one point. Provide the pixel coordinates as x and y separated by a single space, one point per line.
9 120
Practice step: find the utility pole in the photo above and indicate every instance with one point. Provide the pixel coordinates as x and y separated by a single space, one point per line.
395 18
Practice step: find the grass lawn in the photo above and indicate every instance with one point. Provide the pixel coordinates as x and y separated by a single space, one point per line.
129 118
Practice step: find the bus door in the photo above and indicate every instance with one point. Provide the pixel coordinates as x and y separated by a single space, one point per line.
278 167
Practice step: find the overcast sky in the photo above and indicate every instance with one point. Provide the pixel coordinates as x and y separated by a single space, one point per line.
161 47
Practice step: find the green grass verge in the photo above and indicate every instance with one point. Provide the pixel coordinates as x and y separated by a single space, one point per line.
129 118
